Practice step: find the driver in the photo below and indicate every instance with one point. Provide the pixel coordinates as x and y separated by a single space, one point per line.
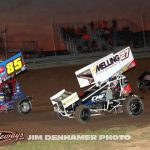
6 91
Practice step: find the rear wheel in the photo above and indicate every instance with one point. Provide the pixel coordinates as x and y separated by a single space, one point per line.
82 114
23 106
133 106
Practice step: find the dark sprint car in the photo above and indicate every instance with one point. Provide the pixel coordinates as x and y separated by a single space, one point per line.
109 90
144 81
11 95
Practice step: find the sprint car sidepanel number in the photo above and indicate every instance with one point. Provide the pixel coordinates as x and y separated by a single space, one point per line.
12 67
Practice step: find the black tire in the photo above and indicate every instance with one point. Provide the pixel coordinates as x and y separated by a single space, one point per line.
82 114
23 106
133 106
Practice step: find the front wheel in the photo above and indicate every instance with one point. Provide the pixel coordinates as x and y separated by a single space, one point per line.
133 106
23 106
82 114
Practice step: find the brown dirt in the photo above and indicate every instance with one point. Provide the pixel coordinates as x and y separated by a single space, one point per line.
41 84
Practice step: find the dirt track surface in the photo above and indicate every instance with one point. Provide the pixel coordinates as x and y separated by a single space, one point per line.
41 84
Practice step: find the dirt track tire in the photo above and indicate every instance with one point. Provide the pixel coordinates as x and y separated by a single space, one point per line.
133 106
82 114
23 106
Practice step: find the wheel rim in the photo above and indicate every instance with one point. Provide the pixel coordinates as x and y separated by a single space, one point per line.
135 107
85 114
24 107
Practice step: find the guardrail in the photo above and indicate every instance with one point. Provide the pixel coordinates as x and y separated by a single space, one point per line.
65 60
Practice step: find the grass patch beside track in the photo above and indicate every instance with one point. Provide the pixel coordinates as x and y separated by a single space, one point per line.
140 140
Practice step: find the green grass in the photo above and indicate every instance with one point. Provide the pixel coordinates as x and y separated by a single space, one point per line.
58 145
111 131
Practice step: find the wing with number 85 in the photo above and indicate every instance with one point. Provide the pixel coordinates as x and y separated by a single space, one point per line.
12 67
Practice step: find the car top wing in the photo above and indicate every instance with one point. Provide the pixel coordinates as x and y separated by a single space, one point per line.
12 67
106 67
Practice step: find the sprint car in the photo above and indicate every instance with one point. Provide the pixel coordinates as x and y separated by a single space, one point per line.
12 98
107 90
144 81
